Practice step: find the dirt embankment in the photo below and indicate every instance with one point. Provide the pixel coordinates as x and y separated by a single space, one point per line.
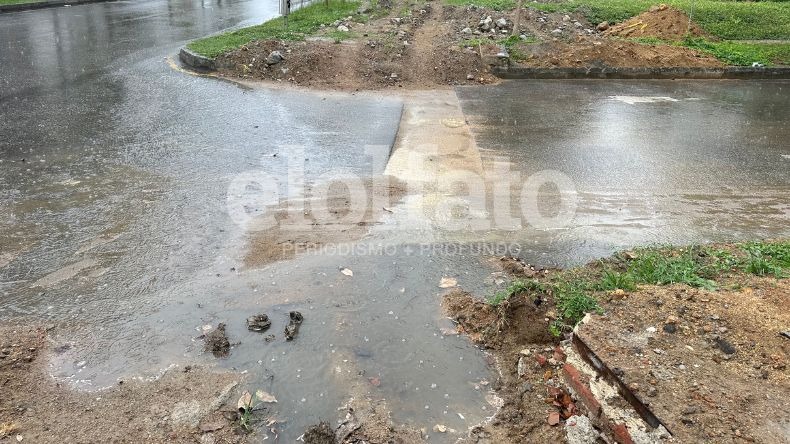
711 365
428 45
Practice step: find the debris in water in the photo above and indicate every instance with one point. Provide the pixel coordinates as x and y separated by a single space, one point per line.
265 397
292 328
347 272
259 322
217 342
245 402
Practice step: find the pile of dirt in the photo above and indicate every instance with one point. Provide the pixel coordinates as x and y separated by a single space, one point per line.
712 365
605 53
181 406
528 358
660 22
414 50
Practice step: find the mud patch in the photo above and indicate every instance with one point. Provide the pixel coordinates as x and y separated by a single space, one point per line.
299 231
168 409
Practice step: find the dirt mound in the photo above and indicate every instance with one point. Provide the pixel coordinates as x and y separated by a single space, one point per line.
413 51
704 358
603 53
660 22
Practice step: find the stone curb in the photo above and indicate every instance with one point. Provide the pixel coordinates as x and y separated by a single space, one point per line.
46 4
196 61
745 73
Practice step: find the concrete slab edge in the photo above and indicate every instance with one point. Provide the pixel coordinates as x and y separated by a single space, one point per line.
45 4
745 73
196 61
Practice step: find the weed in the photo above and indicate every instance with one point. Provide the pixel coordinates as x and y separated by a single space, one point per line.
767 258
653 266
516 287
613 280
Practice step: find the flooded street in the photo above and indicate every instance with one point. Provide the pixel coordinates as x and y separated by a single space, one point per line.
118 224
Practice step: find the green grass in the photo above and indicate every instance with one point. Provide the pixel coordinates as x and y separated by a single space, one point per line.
301 23
17 2
516 287
725 19
743 54
574 291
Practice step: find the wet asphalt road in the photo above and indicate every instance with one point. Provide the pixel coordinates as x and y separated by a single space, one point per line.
652 161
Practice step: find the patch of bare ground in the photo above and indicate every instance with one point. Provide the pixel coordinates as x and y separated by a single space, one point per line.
711 364
528 360
181 406
600 53
412 50
305 224
660 22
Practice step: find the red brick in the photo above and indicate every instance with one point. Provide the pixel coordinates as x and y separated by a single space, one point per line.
579 385
621 435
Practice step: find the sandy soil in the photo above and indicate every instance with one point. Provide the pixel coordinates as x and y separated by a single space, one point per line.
185 405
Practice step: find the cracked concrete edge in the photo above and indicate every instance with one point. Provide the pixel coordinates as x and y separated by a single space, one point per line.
743 73
45 4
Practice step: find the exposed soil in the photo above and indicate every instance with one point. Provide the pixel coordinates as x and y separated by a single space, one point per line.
660 22
600 53
182 406
712 364
433 45
415 51
515 331
299 232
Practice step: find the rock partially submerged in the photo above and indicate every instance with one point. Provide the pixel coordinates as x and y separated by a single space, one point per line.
292 328
258 323
217 342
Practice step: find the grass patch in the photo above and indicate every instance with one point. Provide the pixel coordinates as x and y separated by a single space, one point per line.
575 291
726 19
17 2
301 23
743 54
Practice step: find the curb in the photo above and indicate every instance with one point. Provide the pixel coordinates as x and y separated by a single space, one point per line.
744 73
46 4
196 61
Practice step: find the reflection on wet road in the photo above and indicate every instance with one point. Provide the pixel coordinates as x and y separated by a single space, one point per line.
114 184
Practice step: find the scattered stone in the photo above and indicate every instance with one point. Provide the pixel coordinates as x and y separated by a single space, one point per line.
439 428
259 322
725 346
554 418
470 77
395 20
603 26
522 366
557 31
342 28
670 328
274 58
485 24
292 328
501 23
579 430
466 31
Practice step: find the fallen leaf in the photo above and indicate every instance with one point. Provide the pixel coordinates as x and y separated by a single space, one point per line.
447 282
265 397
245 402
554 418
347 272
